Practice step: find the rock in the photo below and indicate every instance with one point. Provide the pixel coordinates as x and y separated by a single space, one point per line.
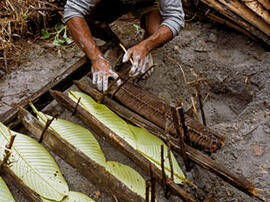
212 38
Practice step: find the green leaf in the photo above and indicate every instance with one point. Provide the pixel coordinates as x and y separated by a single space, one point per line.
59 27
141 140
58 42
150 146
45 34
67 39
131 178
74 197
83 140
5 194
76 135
34 165
106 116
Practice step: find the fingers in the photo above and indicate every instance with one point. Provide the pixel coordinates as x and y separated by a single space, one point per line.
101 79
126 56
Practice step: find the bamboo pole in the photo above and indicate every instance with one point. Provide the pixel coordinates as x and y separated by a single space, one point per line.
265 3
257 8
245 13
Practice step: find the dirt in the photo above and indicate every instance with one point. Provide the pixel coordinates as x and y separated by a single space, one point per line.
236 74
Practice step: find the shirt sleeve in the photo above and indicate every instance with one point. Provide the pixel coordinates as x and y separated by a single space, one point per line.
173 15
77 8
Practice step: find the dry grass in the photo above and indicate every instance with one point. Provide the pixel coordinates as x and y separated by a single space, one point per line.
18 20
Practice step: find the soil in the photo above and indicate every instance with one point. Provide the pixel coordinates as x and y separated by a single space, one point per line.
236 86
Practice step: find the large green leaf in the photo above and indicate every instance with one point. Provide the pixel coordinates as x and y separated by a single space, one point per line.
131 178
85 141
76 135
74 197
105 115
150 146
141 140
34 165
5 194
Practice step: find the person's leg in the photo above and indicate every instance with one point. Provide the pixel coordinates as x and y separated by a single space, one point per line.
151 21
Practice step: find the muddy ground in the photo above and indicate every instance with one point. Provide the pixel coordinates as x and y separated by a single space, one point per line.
236 72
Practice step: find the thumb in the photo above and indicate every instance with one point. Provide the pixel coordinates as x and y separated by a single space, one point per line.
126 56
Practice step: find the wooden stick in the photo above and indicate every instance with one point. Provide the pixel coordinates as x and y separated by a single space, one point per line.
164 177
257 8
78 102
47 125
117 142
153 185
180 135
7 150
242 11
197 85
238 181
86 166
147 190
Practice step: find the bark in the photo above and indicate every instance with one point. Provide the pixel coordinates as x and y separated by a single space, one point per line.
87 167
265 3
151 108
100 129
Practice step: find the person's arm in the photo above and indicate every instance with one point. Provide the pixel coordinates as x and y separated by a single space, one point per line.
172 21
75 10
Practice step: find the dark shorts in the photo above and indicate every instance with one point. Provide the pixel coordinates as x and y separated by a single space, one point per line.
109 10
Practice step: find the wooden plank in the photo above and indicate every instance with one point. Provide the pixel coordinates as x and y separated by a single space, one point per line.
103 131
86 166
42 97
238 181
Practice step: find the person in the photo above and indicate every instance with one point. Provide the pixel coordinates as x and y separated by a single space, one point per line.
160 23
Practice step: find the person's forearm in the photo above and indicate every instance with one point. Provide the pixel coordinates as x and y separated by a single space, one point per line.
160 37
82 35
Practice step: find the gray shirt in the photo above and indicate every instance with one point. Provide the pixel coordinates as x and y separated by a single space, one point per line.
171 11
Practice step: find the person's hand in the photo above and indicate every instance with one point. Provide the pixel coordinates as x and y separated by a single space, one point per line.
142 59
102 71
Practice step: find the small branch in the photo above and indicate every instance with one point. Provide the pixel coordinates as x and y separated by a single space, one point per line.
7 150
153 185
77 104
47 9
47 125
147 190
197 85
164 177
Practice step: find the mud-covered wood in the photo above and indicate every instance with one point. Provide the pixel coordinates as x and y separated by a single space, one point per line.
238 181
10 176
118 142
87 167
42 97
151 108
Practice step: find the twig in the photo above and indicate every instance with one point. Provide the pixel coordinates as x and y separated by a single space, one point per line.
47 125
197 85
176 120
153 185
164 177
5 62
147 190
46 9
8 150
125 50
175 61
77 104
